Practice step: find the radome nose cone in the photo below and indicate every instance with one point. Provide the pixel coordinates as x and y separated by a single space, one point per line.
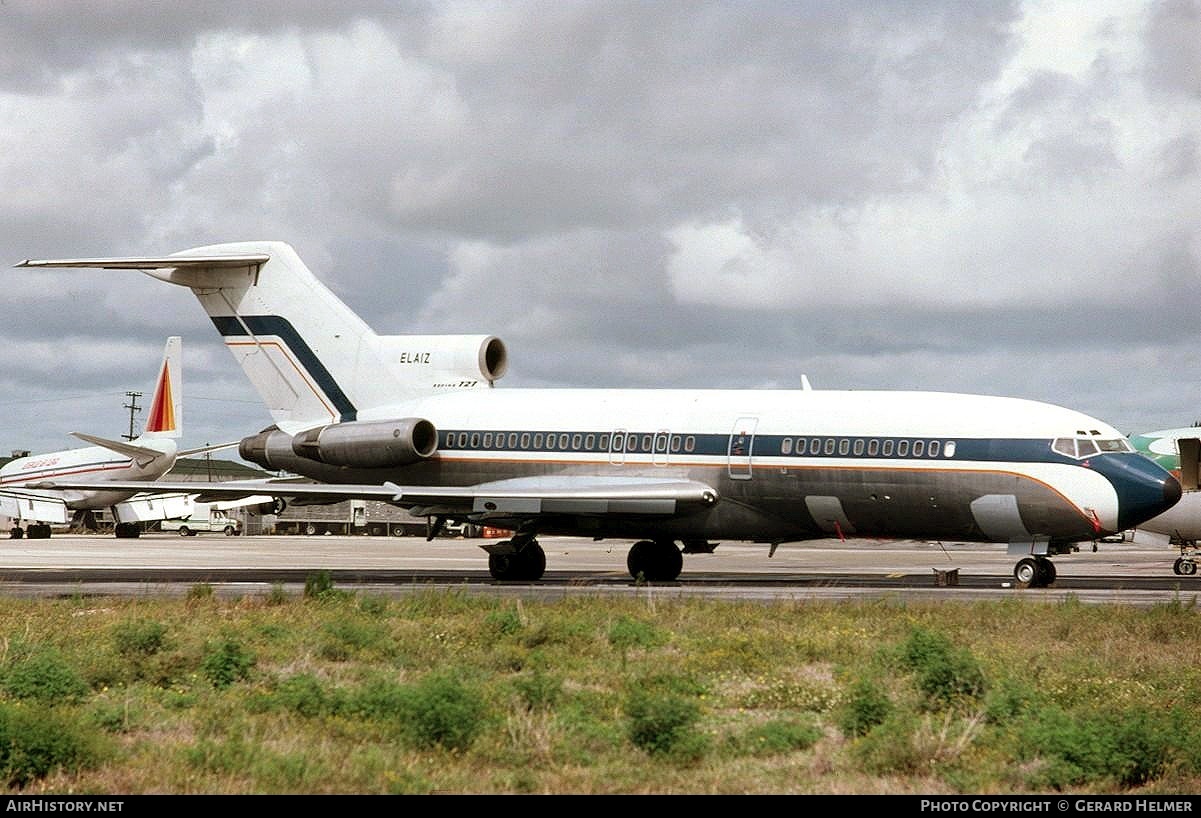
1171 491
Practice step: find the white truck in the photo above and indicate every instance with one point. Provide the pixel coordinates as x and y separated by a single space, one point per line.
204 517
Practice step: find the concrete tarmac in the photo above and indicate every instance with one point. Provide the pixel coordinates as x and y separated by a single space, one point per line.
167 564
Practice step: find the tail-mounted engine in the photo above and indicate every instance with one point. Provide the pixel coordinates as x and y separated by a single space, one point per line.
376 444
446 361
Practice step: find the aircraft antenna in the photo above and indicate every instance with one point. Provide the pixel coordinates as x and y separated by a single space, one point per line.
133 407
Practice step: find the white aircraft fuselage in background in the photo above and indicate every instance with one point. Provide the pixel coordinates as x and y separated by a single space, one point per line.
414 420
146 458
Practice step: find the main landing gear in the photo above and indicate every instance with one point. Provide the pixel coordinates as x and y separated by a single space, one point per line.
1034 572
522 559
1186 563
655 560
34 531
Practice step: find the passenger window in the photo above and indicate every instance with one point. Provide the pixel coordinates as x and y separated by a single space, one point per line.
689 443
888 448
512 440
475 440
873 447
903 448
815 446
934 446
487 440
919 446
538 440
564 439
589 441
525 440
786 446
450 440
462 440
619 442
829 445
676 443
646 443
604 443
575 442
949 449
858 447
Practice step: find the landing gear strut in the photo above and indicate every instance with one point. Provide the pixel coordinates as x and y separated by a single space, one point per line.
1186 563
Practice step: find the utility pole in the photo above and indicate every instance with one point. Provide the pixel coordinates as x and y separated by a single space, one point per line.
132 406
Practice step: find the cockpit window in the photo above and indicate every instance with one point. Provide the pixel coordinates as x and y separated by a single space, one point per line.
1086 446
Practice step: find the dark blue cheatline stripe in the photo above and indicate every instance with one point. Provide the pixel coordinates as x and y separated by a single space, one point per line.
274 325
1013 450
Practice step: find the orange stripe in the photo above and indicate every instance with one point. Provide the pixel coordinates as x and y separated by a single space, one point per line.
162 408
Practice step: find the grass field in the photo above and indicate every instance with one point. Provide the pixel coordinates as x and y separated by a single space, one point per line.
442 692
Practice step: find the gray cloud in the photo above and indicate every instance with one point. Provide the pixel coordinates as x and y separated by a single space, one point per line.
990 197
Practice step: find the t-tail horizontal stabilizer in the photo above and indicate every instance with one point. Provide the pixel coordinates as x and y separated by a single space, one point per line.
142 455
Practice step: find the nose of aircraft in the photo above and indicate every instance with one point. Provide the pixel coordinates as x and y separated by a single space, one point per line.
1144 490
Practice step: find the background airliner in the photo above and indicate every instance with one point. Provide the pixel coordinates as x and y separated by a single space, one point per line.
147 457
413 420
1178 451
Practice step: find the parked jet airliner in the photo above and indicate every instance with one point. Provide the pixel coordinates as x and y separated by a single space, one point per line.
1179 451
147 457
413 420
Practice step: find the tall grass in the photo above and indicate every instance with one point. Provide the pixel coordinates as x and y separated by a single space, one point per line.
330 692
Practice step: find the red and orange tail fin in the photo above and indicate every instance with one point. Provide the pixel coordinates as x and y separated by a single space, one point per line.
165 418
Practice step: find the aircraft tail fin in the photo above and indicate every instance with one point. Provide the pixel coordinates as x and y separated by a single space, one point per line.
165 417
311 358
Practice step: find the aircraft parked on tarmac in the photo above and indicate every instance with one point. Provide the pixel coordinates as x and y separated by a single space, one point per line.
413 420
1178 451
145 458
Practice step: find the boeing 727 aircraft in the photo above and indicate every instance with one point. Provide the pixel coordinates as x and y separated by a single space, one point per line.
413 420
145 458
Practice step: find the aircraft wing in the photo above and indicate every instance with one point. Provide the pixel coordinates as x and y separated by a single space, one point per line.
526 497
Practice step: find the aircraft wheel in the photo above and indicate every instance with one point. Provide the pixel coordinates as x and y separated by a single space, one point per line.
1026 573
667 561
533 561
638 561
16 532
1178 566
183 531
500 565
310 529
229 531
1047 573
1188 568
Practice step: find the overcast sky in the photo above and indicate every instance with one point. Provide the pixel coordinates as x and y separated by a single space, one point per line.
999 198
